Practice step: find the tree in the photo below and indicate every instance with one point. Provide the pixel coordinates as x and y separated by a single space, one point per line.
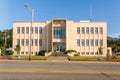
100 49
17 48
100 52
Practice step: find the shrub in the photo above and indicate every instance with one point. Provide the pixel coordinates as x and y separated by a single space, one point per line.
42 53
10 53
76 54
69 51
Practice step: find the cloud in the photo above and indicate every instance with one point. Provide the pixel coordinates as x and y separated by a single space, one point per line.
114 35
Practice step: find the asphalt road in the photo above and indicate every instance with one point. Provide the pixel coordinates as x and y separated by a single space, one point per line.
13 70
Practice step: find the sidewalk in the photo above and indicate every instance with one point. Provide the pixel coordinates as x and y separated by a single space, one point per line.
62 61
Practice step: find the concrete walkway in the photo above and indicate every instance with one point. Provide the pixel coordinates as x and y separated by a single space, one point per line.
57 58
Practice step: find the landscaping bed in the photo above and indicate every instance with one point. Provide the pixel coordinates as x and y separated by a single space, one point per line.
27 57
85 58
114 60
3 57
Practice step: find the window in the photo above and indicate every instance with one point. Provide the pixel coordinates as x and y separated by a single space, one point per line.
87 30
96 42
36 30
40 42
96 53
78 30
87 42
27 42
96 30
36 53
18 30
83 30
92 42
23 30
92 30
26 52
78 42
83 53
22 52
18 41
36 42
32 30
101 42
87 53
83 42
27 30
22 42
40 30
101 30
92 53
59 32
32 42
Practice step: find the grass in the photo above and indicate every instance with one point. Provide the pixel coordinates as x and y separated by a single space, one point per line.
84 58
118 57
26 57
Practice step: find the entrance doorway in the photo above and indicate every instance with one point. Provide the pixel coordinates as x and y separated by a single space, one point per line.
59 47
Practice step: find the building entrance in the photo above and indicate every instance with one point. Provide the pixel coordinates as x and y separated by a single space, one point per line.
59 47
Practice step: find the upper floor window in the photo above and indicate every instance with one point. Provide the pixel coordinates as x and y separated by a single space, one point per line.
96 42
32 42
87 30
78 42
87 42
18 30
40 42
83 42
18 41
40 30
92 42
23 30
92 30
96 30
36 42
32 30
83 30
27 30
101 42
36 30
27 42
22 42
59 32
78 30
101 30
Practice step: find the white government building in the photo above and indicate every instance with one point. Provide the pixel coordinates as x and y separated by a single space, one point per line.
59 35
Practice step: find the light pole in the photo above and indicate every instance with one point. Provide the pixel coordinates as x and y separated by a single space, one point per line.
32 17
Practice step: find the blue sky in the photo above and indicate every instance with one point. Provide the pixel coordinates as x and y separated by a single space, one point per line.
76 10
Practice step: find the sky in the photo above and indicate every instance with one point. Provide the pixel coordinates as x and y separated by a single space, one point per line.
75 10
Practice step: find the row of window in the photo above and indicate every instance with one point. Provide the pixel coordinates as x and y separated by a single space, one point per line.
27 52
33 42
89 30
88 42
33 30
88 53
82 53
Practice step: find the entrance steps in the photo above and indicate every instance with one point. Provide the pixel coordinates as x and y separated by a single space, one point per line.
62 54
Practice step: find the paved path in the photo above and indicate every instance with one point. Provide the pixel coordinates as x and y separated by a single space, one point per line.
57 58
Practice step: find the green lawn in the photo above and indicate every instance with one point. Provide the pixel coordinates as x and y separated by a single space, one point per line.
85 58
26 57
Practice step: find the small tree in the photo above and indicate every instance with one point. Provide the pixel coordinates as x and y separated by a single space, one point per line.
100 49
17 48
100 52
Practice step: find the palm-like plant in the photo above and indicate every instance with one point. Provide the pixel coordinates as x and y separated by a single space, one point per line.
17 48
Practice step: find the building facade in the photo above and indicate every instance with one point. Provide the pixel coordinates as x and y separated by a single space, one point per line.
59 35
